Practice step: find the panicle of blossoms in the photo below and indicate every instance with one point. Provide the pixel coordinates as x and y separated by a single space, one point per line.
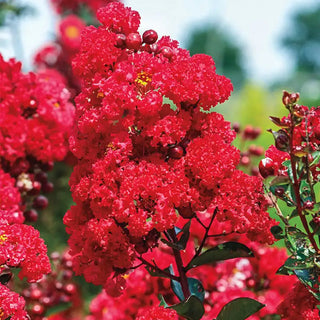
157 313
10 200
147 153
11 305
22 247
36 116
36 119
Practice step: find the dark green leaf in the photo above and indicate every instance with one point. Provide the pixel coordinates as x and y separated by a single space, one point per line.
284 271
58 308
174 245
5 277
195 287
294 213
224 251
155 273
315 227
293 263
239 309
182 242
191 309
277 232
309 277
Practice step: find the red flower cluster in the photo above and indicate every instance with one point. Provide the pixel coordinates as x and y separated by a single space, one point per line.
35 122
157 313
146 151
21 247
36 116
299 305
11 305
141 292
10 200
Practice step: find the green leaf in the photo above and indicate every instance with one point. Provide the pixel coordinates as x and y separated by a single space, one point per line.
294 213
155 273
277 232
174 245
287 163
316 158
239 309
315 227
284 271
294 263
195 287
224 251
295 239
182 242
309 277
191 309
162 301
58 308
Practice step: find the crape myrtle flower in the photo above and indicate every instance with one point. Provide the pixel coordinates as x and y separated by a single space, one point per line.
149 149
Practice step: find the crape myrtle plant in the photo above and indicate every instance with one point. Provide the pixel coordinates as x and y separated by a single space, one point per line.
153 159
291 172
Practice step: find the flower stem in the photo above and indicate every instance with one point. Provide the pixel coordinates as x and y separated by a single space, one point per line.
296 188
182 273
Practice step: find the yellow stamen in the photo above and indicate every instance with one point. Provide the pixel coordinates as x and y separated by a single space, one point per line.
125 276
57 104
100 94
111 146
72 32
3 239
143 79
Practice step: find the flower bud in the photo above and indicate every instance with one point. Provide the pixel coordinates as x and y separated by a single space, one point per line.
150 37
266 167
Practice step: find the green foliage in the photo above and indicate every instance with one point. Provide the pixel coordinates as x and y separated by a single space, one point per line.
224 251
239 309
190 309
195 287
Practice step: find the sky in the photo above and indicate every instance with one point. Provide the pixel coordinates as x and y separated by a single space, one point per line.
257 26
